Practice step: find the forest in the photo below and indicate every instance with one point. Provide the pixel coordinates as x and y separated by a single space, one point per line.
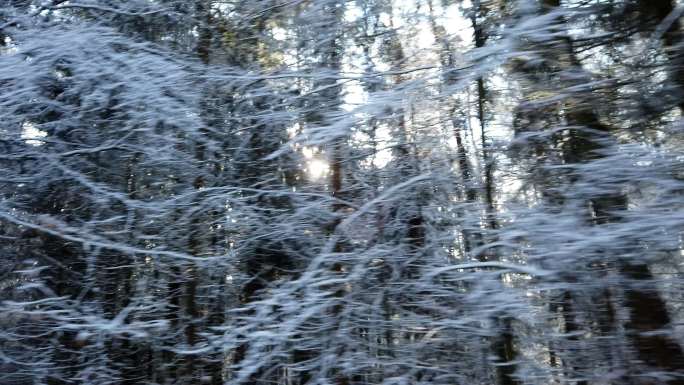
341 192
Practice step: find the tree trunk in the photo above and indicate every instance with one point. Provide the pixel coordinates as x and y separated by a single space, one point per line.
648 312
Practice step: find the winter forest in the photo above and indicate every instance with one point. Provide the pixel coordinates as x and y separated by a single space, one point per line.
341 192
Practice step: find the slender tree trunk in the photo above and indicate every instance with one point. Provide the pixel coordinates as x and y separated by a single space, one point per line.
503 345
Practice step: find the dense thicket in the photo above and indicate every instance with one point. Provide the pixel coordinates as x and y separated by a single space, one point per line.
341 192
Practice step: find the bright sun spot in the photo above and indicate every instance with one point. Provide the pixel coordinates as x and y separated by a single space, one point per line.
317 168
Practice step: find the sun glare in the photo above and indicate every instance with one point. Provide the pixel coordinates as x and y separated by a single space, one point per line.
317 169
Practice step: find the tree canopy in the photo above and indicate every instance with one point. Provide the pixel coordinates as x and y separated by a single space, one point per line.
342 192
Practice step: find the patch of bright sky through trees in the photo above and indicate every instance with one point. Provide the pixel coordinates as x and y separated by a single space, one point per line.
421 44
